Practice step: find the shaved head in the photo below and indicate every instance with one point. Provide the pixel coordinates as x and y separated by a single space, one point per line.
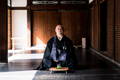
59 30
59 25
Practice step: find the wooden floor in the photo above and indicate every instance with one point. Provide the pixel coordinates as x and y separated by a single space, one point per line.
91 67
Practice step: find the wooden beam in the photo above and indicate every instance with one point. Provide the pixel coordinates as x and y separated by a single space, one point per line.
3 31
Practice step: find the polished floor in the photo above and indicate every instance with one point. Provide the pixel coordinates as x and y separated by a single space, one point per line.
91 67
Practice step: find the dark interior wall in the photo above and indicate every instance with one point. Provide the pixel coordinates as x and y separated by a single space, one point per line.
75 23
103 26
73 17
44 22
112 28
94 26
3 31
117 30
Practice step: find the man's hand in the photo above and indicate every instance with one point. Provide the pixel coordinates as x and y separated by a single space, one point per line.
55 60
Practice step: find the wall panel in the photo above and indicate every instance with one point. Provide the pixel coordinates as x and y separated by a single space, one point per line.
44 23
95 26
75 25
3 31
117 30
110 29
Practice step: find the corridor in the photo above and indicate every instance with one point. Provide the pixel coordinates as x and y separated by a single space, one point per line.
92 27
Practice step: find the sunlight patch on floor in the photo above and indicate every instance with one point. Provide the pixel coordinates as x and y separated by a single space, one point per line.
18 75
25 56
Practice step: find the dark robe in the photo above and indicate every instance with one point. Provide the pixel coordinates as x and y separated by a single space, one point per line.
48 61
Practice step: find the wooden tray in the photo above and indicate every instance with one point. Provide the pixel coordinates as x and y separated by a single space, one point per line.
61 69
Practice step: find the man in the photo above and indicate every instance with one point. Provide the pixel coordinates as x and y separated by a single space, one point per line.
59 51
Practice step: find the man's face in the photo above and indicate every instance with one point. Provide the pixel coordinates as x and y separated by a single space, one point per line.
59 30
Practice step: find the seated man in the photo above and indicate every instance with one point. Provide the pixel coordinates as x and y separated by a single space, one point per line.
59 51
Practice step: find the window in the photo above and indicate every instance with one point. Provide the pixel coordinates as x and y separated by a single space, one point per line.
18 3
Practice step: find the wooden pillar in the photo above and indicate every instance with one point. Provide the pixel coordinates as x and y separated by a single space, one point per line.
117 30
3 31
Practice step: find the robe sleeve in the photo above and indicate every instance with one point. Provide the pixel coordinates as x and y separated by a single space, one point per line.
48 50
72 57
46 61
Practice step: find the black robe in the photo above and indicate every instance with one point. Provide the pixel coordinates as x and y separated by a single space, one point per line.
47 62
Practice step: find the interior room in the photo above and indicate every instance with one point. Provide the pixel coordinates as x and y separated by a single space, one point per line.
93 26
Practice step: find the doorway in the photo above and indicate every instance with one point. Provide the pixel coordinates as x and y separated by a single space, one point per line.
103 26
